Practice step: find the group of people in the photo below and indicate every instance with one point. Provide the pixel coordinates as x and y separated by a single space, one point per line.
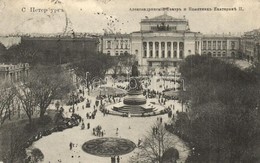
97 131
115 159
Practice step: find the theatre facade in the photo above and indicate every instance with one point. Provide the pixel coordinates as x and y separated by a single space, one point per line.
165 40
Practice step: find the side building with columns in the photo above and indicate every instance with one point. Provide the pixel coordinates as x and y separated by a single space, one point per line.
164 40
14 73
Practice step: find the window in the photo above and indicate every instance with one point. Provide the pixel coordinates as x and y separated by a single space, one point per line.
117 44
175 54
204 45
214 45
151 53
175 45
169 54
219 54
214 54
121 52
224 54
108 44
163 55
116 53
219 45
136 52
181 54
233 45
108 52
145 53
168 45
224 45
181 46
157 54
209 45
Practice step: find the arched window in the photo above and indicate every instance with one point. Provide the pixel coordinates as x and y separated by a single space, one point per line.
108 53
209 54
116 53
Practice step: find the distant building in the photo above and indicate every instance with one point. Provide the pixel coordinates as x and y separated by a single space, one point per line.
115 44
220 45
61 49
166 41
14 73
250 45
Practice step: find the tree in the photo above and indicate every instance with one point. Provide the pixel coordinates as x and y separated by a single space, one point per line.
223 115
48 84
96 64
6 99
37 155
27 98
154 145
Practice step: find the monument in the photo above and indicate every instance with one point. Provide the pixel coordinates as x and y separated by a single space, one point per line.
134 103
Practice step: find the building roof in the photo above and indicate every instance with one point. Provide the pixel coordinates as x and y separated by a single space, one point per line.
163 17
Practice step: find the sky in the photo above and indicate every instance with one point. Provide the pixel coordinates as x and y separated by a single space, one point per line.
97 16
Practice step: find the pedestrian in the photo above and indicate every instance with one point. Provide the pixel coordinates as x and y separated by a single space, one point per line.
118 159
71 145
88 125
116 131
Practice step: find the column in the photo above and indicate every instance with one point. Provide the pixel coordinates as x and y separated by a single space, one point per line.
171 49
147 49
178 50
153 49
160 49
165 50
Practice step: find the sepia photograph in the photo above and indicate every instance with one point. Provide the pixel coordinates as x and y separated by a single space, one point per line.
130 81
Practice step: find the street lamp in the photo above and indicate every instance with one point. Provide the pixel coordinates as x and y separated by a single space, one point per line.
87 73
183 89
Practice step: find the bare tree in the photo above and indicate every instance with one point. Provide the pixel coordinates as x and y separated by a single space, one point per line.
49 83
27 99
154 145
6 100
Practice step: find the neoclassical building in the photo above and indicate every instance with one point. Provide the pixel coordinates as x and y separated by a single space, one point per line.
115 44
165 40
250 45
220 45
14 73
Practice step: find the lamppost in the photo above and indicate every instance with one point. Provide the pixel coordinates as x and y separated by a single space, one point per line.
183 89
87 73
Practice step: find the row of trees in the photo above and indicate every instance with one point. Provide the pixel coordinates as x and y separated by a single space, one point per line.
43 85
223 120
